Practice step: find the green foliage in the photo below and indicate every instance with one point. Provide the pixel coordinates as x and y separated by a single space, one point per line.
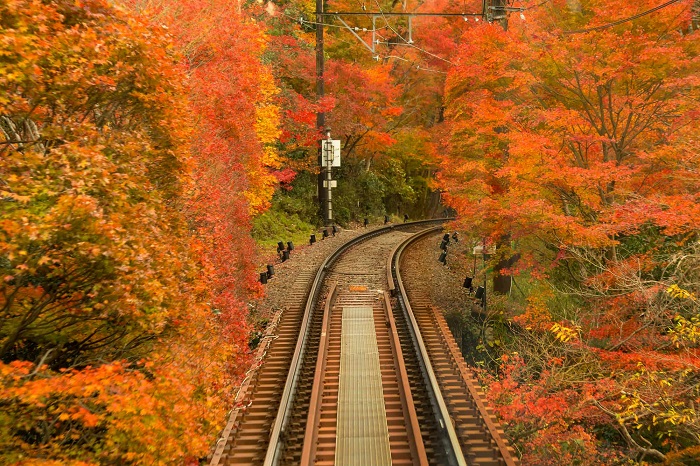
360 193
299 200
292 217
395 182
275 225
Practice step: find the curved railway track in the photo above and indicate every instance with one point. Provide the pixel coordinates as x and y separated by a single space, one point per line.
356 371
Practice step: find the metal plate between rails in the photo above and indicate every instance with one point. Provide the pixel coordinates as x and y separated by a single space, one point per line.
362 432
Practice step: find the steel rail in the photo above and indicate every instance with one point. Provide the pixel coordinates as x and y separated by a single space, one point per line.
311 433
413 425
284 411
448 435
487 423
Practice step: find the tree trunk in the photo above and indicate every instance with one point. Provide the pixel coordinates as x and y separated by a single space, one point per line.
501 282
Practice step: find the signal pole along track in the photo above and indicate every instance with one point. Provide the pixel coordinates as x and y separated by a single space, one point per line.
347 378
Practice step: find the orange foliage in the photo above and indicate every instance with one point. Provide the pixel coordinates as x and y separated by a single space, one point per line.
582 148
613 111
111 350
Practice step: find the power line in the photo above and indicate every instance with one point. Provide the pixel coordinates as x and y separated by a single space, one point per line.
631 18
303 21
412 63
534 6
381 12
406 42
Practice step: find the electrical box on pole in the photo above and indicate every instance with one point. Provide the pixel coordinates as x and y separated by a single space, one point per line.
331 151
330 157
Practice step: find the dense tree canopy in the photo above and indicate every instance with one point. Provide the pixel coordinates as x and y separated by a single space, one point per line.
141 141
582 149
123 328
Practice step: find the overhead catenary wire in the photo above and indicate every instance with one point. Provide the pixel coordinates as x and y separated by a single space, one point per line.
407 44
624 20
413 63
410 44
387 21
383 14
303 21
532 7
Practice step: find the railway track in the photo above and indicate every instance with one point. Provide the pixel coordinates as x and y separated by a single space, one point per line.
349 375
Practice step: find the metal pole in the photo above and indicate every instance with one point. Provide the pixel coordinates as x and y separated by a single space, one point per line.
329 177
495 10
320 116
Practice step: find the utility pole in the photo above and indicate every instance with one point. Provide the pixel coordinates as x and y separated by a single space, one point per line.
320 116
495 11
324 181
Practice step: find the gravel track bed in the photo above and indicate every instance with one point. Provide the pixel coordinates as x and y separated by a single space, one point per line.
442 283
303 257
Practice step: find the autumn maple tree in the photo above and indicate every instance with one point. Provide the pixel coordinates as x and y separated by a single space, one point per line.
122 330
579 143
